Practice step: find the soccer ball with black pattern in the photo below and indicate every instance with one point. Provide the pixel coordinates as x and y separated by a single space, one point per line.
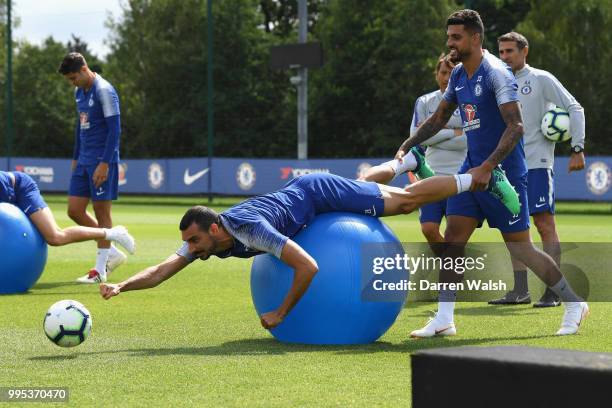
67 323
556 125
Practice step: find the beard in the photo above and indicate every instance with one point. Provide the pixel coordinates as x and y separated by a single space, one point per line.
211 251
457 56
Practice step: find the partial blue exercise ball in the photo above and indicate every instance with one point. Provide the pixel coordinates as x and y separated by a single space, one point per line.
335 308
23 251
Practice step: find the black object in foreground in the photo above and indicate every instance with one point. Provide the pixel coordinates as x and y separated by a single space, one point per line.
510 376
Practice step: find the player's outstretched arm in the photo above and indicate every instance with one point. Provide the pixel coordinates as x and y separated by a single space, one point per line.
511 113
305 268
430 127
148 278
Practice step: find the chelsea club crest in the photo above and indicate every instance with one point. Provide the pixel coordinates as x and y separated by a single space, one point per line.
478 90
526 90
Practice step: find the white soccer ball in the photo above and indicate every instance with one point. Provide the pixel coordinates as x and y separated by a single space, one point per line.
67 323
556 125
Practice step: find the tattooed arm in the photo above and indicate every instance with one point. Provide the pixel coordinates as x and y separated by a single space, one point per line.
511 113
432 126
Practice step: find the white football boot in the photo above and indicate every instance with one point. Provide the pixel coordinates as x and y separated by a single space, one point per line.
92 277
435 327
575 313
121 235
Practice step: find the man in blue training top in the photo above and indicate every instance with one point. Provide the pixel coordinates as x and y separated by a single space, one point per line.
486 92
95 161
268 223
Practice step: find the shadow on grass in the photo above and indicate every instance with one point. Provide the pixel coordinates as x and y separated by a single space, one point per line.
482 309
39 287
53 285
54 358
271 347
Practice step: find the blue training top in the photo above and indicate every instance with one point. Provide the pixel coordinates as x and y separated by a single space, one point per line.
7 192
98 125
479 97
265 223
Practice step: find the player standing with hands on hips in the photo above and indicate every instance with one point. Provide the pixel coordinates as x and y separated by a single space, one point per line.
540 91
95 161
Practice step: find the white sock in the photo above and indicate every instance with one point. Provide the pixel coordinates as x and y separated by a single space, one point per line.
446 311
101 260
408 163
464 181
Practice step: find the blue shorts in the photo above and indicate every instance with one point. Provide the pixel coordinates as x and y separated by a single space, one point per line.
483 205
329 192
541 191
27 195
82 185
433 212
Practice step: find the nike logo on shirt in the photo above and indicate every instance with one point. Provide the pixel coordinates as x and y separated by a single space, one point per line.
189 179
458 88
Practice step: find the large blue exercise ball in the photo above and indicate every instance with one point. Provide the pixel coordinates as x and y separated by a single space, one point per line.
23 251
334 309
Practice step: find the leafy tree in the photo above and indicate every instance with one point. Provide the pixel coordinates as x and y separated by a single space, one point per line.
574 45
379 57
44 109
498 17
280 17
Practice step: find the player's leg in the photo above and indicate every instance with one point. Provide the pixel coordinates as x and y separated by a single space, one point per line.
520 292
79 195
542 207
545 224
45 222
430 190
413 161
431 232
77 211
520 246
430 216
101 197
459 229
382 173
55 236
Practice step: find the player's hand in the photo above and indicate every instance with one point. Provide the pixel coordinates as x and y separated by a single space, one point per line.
576 162
108 290
73 165
100 174
481 176
271 319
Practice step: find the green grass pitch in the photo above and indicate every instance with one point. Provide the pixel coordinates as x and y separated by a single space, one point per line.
196 339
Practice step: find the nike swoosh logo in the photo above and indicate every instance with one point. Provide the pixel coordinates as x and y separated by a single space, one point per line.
459 88
540 205
513 222
189 179
27 208
99 192
374 210
442 331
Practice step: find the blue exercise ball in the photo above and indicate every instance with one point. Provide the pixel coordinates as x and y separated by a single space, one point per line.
23 251
335 309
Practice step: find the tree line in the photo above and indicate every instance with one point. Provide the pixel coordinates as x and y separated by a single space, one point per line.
379 58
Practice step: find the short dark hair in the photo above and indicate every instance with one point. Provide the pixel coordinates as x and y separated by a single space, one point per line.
73 62
519 39
470 19
444 59
204 217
